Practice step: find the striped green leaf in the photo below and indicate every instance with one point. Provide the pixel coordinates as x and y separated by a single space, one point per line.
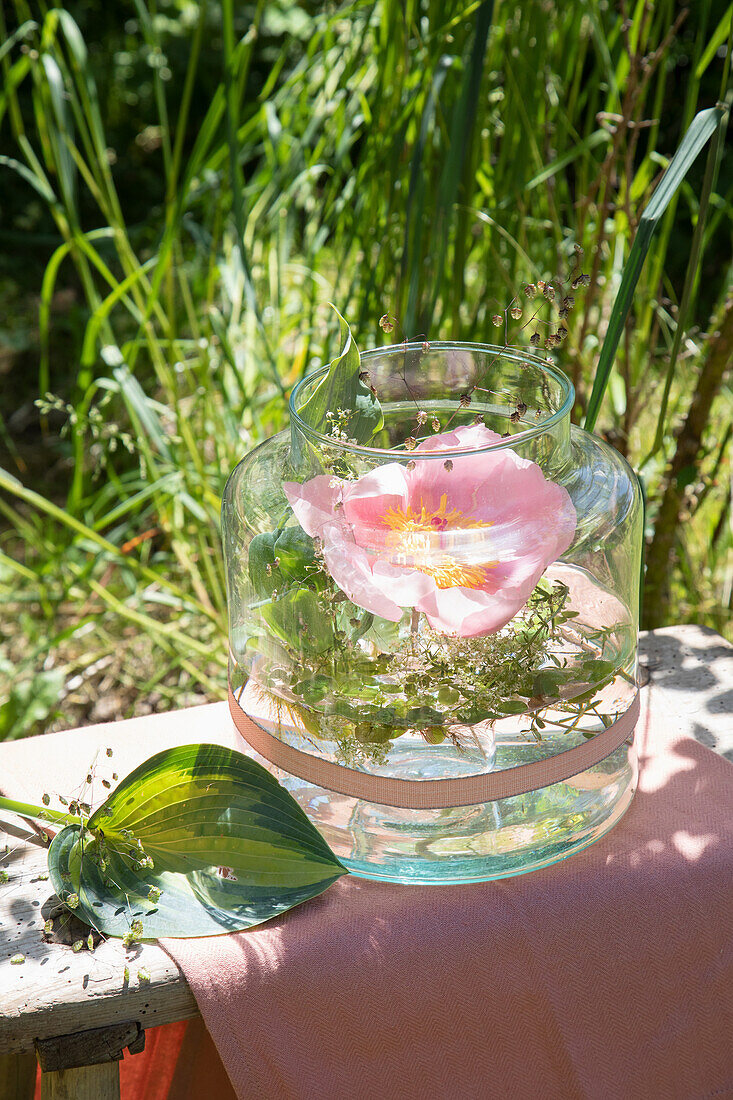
230 848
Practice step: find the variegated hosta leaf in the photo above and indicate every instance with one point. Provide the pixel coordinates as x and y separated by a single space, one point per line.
229 847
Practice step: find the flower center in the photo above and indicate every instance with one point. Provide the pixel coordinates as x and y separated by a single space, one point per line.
411 535
439 519
449 573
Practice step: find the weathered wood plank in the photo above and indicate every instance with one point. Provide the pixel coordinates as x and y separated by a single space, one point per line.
56 991
91 1047
691 672
89 1083
17 1076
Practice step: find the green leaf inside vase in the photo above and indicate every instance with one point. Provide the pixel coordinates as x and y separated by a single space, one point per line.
298 619
276 559
229 847
343 388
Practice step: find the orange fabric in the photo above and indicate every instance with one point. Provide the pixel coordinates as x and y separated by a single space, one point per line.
199 1073
148 1076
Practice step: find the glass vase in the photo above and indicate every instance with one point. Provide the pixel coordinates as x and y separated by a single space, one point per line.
433 637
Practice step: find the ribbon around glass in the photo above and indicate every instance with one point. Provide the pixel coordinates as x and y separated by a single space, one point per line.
435 794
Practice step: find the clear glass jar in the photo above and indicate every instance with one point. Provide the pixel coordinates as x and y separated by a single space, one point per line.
454 600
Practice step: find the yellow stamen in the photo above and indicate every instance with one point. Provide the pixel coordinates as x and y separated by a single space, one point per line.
439 519
411 535
452 574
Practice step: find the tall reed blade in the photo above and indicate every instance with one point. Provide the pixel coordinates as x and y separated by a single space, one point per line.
703 127
459 151
692 277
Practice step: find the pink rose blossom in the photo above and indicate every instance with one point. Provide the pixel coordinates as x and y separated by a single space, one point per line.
463 540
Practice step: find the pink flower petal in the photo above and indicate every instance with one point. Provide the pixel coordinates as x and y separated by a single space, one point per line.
490 509
471 612
525 510
368 500
404 585
473 481
351 571
313 502
467 438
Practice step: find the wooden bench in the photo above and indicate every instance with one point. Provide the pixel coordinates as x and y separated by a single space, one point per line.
77 1012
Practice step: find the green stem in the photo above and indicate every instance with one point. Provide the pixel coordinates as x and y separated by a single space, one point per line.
27 809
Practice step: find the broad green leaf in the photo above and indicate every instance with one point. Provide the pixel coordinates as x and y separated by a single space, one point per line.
511 706
701 130
342 388
260 559
364 624
230 848
598 670
295 553
201 903
288 552
299 620
548 681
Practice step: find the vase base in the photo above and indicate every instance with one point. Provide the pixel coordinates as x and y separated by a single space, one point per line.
500 839
457 872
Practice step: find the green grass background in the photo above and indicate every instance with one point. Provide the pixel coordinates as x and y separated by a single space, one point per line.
186 185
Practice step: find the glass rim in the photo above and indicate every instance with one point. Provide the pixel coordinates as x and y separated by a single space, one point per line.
515 354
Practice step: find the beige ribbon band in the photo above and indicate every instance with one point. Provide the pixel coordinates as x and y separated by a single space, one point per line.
435 794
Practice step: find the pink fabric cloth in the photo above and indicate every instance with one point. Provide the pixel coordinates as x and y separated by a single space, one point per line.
607 976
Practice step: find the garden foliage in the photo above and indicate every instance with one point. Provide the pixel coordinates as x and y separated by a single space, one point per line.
189 185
